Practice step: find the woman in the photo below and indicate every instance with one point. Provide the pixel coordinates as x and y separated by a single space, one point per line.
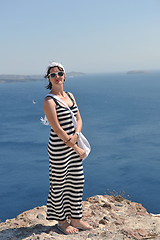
65 157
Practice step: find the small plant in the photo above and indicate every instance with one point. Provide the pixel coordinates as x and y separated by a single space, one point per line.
119 196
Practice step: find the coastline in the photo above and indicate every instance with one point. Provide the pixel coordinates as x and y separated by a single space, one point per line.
111 217
10 78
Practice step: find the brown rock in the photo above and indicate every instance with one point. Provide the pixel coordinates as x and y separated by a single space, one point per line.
103 221
107 205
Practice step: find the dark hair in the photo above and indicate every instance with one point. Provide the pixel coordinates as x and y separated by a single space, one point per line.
49 86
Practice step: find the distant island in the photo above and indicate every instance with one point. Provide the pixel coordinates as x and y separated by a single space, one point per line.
75 74
6 78
10 78
137 72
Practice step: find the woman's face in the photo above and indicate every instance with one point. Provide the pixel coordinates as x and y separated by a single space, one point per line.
58 80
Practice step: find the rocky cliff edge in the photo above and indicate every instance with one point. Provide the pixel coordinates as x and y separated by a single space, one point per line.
111 217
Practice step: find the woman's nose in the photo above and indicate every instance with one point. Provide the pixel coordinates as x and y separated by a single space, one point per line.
57 76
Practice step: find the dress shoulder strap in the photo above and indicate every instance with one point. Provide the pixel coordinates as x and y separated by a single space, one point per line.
55 100
70 96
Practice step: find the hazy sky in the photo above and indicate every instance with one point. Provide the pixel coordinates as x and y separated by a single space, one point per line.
85 35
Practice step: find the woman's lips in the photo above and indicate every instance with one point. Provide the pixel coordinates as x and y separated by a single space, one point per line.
58 80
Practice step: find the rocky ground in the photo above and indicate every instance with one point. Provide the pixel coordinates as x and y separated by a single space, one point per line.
111 217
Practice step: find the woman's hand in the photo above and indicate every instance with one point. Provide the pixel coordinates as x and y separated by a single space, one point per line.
79 151
74 138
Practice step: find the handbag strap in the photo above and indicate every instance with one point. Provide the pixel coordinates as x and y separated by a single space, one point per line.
60 100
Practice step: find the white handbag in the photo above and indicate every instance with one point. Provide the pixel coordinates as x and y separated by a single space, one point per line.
82 141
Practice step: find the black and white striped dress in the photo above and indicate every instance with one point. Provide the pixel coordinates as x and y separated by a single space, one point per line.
65 171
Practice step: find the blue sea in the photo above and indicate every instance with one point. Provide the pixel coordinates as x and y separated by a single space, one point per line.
121 119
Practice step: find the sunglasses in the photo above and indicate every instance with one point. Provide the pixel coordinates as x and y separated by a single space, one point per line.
53 75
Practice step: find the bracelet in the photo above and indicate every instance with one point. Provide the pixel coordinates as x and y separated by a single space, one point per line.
67 140
77 133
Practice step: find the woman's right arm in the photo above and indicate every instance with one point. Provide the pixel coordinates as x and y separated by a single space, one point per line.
51 114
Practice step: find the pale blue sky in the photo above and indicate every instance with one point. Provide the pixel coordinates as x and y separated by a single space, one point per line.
88 35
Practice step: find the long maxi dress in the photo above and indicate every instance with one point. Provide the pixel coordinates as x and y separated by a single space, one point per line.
65 171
